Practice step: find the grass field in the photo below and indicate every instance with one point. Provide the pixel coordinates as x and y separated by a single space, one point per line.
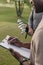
3 1
9 26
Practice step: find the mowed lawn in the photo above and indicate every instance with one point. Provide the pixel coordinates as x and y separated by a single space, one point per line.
9 26
3 1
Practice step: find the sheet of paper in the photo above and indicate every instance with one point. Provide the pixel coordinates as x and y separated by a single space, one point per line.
23 51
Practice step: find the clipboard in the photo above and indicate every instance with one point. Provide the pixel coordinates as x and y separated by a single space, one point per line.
21 50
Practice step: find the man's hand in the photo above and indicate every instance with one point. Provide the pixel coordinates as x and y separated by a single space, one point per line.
30 31
15 41
16 55
19 57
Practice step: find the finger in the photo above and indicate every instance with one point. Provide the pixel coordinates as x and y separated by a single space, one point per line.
10 38
13 41
12 52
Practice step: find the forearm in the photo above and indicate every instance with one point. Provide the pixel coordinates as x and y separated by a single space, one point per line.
26 45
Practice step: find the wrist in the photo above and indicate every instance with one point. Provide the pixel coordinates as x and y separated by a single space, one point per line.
22 61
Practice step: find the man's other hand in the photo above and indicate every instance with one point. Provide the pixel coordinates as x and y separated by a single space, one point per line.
16 55
30 31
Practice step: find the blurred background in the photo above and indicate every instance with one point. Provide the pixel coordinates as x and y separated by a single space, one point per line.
10 11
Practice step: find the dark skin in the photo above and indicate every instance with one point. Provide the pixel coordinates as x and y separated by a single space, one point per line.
39 8
15 41
18 57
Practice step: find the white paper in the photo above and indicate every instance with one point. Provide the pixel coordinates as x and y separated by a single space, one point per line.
23 51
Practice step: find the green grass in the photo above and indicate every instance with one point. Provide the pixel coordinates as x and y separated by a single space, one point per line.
9 14
6 58
8 21
9 26
3 1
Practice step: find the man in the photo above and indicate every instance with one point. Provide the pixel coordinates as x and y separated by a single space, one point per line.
36 57
37 46
34 19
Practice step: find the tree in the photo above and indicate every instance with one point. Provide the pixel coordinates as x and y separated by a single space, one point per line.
27 2
19 7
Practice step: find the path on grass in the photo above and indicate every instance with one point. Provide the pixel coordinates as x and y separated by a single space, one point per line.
7 5
12 5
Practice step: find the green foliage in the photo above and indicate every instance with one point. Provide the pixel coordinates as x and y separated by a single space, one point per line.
27 2
19 7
